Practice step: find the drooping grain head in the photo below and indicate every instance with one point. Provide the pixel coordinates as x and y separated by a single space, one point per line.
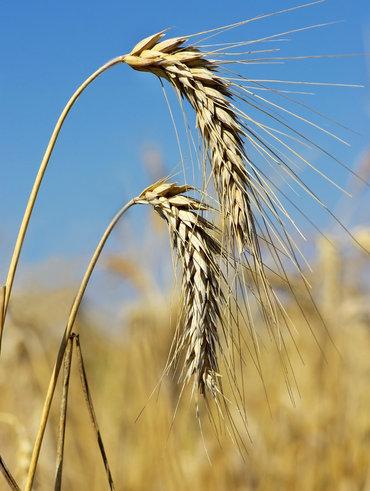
199 254
257 210
195 78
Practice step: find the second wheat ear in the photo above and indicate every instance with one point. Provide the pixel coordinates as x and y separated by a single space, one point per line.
198 252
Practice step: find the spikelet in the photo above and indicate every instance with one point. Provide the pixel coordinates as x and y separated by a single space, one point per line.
199 253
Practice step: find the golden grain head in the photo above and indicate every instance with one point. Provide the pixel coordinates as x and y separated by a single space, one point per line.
196 78
198 252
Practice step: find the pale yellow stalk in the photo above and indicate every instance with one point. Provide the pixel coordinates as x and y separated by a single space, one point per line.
64 342
38 180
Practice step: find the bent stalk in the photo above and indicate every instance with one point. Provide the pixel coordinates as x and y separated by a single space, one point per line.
64 342
38 180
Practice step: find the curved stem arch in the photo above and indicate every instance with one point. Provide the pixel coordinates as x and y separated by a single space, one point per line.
68 331
38 180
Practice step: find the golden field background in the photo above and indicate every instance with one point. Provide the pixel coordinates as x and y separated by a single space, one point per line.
312 435
322 442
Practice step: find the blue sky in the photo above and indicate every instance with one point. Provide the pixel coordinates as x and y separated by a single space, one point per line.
48 48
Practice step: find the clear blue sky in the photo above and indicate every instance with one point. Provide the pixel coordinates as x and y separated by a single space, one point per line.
48 48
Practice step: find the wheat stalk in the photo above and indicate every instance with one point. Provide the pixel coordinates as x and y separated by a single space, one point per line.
64 342
199 252
63 416
6 290
8 476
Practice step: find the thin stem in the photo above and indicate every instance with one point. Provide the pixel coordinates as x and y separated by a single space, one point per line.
63 415
2 303
39 177
63 344
8 476
90 407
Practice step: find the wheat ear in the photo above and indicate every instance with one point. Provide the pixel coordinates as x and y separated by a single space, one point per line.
195 77
199 252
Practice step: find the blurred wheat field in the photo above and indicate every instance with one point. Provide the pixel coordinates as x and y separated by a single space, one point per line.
321 442
245 365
